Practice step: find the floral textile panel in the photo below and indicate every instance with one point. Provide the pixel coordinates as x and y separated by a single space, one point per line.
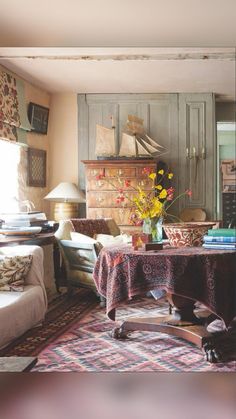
9 107
8 132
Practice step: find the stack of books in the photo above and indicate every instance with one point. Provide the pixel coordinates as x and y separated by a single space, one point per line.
220 238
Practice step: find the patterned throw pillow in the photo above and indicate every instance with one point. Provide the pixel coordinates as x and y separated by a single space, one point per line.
13 271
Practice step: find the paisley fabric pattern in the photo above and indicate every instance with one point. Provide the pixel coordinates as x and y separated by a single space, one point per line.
207 276
9 107
13 271
90 227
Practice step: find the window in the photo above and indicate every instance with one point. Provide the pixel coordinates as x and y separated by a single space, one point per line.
9 180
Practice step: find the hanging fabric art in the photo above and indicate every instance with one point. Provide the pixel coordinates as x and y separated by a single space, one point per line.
13 116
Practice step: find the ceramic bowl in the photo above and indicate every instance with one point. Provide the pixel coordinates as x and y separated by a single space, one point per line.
187 234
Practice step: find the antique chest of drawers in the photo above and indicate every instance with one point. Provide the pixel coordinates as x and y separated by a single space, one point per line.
101 195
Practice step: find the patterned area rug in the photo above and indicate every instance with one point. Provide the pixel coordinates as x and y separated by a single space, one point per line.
61 315
76 337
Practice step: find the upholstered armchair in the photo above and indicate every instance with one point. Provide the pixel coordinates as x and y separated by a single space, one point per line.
79 258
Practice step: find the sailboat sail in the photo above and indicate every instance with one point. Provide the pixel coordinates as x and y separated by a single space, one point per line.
152 142
105 141
136 143
128 145
142 149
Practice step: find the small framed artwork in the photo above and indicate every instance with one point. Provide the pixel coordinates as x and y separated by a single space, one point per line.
38 118
140 239
36 167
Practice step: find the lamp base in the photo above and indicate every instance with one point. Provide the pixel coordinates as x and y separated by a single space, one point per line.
65 211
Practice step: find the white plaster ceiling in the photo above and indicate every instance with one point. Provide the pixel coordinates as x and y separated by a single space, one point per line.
117 23
136 32
125 70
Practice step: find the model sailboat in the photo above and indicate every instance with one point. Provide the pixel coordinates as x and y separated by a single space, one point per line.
136 143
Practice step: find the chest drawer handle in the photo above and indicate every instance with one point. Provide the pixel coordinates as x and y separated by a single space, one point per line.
99 199
99 183
120 172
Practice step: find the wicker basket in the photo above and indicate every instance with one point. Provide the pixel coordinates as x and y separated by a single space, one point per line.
187 234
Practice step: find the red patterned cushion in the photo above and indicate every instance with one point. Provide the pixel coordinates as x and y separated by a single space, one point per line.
89 226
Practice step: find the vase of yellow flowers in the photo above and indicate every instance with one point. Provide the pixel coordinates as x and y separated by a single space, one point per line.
148 207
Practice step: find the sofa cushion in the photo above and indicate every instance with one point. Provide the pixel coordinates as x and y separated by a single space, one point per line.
109 240
13 271
19 311
82 238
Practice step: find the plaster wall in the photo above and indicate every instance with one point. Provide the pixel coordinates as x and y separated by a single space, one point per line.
63 149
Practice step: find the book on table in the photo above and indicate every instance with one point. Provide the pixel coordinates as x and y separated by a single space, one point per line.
219 239
222 232
220 246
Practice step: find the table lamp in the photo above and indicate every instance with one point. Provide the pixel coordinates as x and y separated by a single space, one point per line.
67 196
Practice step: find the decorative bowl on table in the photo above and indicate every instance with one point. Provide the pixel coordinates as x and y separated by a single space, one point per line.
187 234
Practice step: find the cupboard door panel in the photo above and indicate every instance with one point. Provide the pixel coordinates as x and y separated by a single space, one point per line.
197 151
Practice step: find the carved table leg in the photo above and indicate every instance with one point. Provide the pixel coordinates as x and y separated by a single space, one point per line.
213 354
182 323
120 332
182 311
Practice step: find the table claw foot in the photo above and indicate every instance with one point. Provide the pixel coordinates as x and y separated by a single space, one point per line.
212 353
119 333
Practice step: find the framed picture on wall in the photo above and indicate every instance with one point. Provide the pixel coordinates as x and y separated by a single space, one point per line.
38 118
36 167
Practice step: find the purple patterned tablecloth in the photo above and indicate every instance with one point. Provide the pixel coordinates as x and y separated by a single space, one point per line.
207 276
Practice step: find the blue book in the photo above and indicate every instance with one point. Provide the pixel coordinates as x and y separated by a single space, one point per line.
220 246
222 239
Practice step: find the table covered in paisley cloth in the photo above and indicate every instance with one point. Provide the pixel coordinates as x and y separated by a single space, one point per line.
207 276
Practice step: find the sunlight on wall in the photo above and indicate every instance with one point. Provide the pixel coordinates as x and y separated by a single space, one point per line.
9 162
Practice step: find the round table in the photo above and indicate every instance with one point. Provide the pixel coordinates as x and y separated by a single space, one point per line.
188 274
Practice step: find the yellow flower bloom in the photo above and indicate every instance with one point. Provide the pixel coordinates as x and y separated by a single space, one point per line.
170 175
156 209
152 176
161 172
163 194
159 187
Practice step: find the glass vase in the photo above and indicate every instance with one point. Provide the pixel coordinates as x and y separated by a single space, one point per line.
157 229
153 226
147 226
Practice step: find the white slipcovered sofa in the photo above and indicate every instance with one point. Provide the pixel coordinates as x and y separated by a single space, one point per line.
20 311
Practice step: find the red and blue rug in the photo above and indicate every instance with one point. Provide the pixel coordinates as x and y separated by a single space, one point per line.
76 337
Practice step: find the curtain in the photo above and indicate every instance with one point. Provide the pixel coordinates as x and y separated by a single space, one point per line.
13 116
